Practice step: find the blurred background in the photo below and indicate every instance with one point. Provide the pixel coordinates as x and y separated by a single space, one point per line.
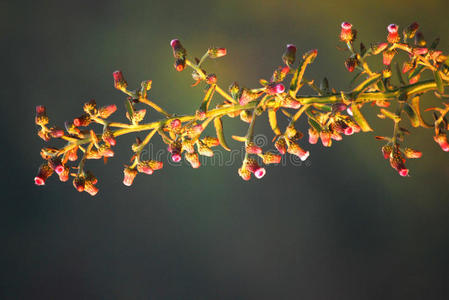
343 225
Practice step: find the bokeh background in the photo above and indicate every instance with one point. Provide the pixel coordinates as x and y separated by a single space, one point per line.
342 226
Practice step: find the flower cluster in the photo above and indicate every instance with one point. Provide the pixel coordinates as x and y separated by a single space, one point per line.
331 115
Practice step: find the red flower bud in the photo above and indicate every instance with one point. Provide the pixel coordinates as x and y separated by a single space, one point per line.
386 151
119 81
180 64
42 174
281 145
78 183
41 116
83 120
144 167
441 140
106 111
351 63
211 79
56 133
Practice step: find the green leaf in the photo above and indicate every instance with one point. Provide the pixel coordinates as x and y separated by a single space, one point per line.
295 83
207 98
273 122
358 117
219 130
313 123
415 106
416 71
390 115
412 114
439 82
129 108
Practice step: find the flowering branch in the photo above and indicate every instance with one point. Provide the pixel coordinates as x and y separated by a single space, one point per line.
330 114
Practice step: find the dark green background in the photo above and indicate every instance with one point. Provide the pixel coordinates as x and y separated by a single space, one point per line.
345 226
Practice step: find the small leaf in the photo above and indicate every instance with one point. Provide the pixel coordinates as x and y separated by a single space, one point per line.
239 138
416 71
323 107
207 98
358 117
295 83
412 114
273 122
439 82
390 115
415 106
129 108
219 130
435 44
313 123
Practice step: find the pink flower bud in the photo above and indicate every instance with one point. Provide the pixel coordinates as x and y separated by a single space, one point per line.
420 51
129 175
244 173
106 111
271 158
217 52
90 188
193 159
295 149
346 34
281 145
403 172
393 36
176 157
42 174
119 81
56 133
175 124
386 151
56 164
388 57
64 176
441 140
253 167
41 116
252 148
211 79
178 50
326 138
275 89
144 167
313 136
412 153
